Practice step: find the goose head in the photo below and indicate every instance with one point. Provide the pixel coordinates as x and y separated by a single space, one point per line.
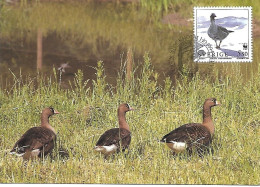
211 102
49 112
124 108
212 16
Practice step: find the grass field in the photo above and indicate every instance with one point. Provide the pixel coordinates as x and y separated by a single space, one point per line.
85 113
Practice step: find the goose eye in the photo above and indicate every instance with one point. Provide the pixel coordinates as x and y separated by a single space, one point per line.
52 109
127 106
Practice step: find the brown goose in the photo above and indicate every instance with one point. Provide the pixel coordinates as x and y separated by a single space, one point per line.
193 136
117 138
37 141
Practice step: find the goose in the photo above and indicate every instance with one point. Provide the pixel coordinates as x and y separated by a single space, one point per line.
217 32
37 141
193 136
116 139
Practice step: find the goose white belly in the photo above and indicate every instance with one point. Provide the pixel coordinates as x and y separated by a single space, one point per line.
33 153
177 146
17 154
106 150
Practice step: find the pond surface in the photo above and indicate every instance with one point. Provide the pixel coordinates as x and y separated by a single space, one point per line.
76 35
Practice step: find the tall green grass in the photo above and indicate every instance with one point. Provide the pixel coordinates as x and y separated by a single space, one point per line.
85 113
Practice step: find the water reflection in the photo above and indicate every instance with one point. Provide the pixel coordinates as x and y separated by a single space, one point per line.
75 35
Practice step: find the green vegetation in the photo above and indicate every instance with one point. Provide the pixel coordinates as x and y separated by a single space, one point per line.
86 113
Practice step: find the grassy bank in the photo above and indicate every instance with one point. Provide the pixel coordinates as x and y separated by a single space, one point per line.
86 113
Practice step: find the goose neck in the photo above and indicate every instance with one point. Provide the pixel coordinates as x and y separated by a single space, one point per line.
45 122
207 119
44 119
212 20
122 120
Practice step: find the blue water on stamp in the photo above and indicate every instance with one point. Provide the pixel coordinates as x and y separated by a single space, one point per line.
233 53
236 23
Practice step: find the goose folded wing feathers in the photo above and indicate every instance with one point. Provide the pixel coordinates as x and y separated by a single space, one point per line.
188 133
222 29
113 136
179 134
106 139
34 138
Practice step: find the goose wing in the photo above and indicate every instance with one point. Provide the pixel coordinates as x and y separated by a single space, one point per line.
115 136
35 138
222 33
193 133
222 29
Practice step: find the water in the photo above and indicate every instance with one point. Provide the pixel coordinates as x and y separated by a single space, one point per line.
76 35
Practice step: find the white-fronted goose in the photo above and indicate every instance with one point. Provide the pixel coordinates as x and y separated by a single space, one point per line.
193 136
37 141
116 139
217 32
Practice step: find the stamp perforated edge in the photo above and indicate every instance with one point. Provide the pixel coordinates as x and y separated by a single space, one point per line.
250 32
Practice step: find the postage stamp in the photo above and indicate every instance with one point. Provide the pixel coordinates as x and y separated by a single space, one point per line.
223 34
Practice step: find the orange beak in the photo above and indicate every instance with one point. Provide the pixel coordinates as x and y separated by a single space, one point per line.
218 103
